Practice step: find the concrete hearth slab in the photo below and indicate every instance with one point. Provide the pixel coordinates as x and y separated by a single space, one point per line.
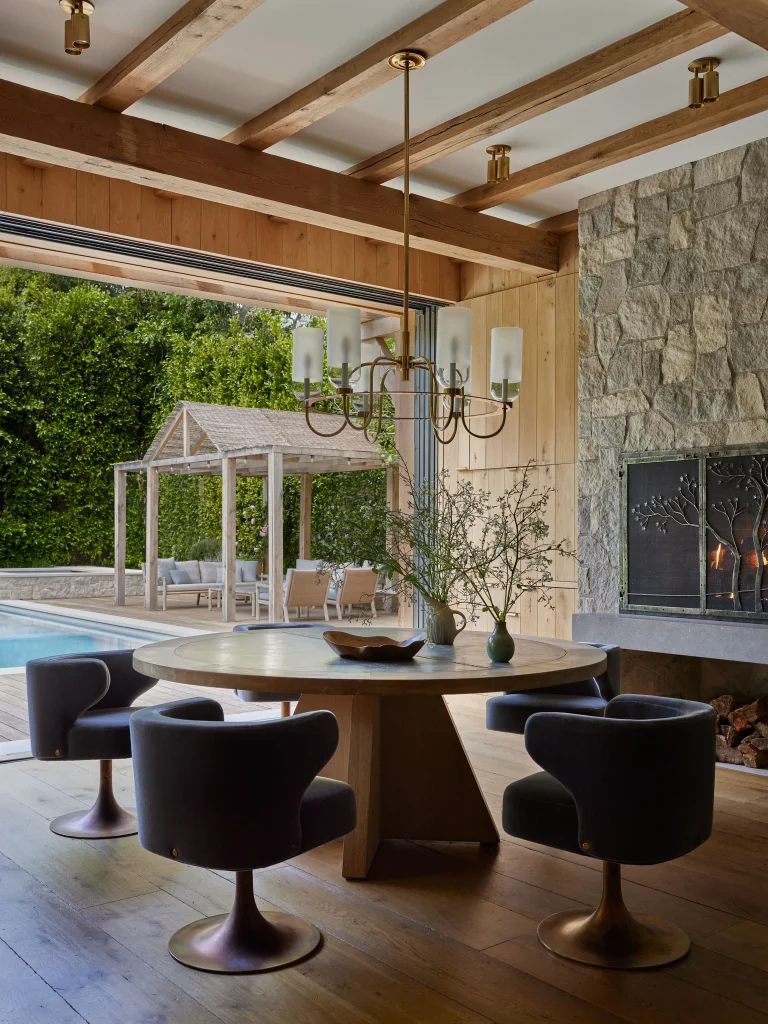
689 637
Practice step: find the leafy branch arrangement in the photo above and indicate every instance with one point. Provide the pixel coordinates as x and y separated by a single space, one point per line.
455 544
423 540
512 554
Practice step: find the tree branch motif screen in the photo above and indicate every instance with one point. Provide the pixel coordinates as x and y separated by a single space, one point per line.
695 533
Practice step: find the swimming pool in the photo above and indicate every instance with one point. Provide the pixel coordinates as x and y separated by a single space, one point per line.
27 635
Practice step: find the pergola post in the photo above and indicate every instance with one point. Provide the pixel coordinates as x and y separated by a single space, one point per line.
305 516
275 534
228 539
150 573
120 481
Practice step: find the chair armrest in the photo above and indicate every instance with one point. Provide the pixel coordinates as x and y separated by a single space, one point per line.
59 690
644 789
125 683
609 683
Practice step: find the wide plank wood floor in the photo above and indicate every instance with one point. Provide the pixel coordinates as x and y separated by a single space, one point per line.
439 933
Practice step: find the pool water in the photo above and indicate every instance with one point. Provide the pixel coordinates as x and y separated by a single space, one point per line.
24 636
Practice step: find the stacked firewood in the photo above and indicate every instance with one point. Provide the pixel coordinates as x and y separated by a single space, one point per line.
742 730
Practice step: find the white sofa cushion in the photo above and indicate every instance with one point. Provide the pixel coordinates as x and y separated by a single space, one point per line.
208 571
192 569
164 566
248 567
308 563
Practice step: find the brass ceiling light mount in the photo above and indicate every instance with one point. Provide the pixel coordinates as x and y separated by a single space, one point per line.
498 164
707 88
77 28
407 60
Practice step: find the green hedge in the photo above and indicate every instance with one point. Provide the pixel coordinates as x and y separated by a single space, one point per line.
88 372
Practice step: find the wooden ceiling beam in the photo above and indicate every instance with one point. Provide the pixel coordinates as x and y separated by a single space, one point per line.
433 32
559 224
734 105
185 34
112 270
41 126
645 49
747 18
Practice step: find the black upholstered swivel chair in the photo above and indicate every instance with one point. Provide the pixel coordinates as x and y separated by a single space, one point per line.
267 695
633 787
510 712
79 709
237 796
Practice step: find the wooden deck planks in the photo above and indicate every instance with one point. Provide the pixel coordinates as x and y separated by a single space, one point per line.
440 934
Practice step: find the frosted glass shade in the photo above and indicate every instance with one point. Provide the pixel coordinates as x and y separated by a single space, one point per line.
454 344
308 345
369 351
343 330
507 354
506 363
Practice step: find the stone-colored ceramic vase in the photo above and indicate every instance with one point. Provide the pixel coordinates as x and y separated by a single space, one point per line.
500 644
441 622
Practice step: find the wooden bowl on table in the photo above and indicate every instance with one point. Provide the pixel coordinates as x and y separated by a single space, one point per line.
373 648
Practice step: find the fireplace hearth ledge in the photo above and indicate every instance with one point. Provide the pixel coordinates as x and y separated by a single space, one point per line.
680 635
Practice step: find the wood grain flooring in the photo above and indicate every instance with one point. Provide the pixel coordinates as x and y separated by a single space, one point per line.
439 933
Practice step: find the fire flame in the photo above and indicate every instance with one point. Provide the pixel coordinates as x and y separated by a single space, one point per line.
718 557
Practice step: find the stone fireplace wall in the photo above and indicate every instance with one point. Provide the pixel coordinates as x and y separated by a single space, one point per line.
673 348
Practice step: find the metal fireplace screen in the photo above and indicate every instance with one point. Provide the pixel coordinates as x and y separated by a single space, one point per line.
695 533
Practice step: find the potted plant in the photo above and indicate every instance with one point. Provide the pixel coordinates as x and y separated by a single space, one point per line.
422 544
509 554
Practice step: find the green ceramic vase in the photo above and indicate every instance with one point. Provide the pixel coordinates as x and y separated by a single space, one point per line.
500 644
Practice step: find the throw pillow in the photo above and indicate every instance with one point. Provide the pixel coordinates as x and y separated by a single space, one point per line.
193 568
249 570
164 566
180 576
208 571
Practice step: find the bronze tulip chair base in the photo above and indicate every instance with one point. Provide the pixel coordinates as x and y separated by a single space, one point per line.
612 937
105 820
245 941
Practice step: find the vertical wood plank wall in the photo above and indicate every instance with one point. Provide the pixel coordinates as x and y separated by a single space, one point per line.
543 426
108 204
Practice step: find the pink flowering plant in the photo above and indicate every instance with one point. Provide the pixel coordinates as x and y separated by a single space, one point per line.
251 532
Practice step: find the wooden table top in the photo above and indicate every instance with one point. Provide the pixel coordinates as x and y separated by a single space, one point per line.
299 660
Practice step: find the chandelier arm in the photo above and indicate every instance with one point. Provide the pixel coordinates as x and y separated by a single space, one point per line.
348 415
482 437
434 400
321 433
447 440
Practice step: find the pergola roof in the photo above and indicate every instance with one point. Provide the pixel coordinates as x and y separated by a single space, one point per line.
196 437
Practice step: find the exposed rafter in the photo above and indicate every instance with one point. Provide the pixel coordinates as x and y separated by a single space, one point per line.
645 49
747 18
644 138
41 126
433 32
560 224
188 31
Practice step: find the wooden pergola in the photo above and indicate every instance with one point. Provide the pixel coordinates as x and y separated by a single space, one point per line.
229 441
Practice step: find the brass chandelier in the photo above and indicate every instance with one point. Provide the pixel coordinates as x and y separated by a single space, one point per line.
361 390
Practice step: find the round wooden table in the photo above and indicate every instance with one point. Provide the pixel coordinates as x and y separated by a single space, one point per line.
398 746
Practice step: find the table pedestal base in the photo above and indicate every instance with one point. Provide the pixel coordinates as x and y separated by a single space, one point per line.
409 770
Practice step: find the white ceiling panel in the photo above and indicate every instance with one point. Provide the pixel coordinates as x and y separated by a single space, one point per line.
284 44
